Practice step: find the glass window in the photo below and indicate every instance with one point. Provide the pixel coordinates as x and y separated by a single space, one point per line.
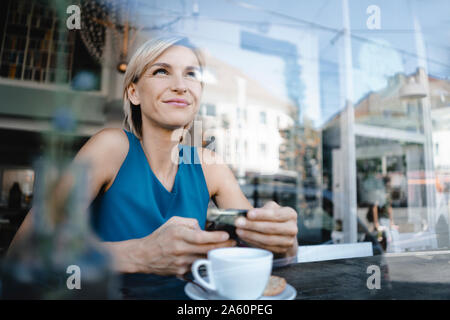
338 109
357 103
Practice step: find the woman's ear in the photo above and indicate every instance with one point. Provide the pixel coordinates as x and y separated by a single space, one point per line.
133 94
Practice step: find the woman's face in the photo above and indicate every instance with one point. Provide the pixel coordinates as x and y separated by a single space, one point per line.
169 91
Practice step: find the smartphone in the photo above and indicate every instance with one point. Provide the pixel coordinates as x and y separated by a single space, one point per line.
223 220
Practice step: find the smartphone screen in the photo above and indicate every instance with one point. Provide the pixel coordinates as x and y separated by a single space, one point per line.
223 220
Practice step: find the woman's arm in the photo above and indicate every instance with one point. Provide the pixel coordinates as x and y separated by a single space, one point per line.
104 152
222 185
170 249
271 227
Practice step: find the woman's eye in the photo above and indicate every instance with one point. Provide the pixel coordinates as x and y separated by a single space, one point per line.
193 74
159 71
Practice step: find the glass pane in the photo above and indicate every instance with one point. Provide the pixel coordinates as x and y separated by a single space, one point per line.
399 71
337 109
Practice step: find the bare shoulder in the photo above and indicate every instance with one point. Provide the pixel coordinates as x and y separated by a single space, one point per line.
110 142
212 162
105 152
209 157
112 135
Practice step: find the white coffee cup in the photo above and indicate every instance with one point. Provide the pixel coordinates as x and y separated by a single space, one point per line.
236 273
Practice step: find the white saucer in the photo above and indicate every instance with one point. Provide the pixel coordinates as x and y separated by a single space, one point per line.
195 293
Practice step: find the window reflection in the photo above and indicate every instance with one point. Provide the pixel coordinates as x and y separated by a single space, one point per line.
279 81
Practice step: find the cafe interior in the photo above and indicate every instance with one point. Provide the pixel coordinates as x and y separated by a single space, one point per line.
328 107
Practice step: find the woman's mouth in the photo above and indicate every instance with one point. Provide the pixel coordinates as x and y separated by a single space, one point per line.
177 102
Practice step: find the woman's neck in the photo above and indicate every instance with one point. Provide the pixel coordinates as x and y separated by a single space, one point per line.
161 148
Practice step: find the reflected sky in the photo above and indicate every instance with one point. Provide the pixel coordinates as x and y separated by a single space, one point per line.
315 28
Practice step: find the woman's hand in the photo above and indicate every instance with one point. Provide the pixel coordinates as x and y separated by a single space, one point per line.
173 247
271 227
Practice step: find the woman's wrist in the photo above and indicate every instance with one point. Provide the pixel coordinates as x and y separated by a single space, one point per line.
125 255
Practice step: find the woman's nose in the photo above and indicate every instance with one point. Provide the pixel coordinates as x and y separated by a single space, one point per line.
179 84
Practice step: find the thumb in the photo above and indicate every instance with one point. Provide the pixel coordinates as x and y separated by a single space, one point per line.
271 205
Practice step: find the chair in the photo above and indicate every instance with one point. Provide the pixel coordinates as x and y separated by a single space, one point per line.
334 251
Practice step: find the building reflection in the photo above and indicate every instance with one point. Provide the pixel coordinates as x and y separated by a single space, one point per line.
391 143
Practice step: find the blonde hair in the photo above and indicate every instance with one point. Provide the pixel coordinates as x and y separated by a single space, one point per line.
144 56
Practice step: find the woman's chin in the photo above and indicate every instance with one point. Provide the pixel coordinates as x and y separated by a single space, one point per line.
174 125
172 121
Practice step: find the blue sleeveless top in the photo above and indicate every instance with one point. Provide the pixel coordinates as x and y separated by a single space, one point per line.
137 203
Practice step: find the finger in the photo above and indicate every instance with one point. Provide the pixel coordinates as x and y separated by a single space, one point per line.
267 240
272 214
190 259
204 237
187 260
271 205
203 249
287 228
273 249
188 222
184 265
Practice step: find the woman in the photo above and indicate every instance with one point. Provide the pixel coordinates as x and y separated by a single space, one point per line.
150 200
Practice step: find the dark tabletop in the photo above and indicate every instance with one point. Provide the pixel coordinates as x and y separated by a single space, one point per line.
401 276
407 276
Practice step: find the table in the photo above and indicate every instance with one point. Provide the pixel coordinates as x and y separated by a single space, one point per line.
419 275
402 276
